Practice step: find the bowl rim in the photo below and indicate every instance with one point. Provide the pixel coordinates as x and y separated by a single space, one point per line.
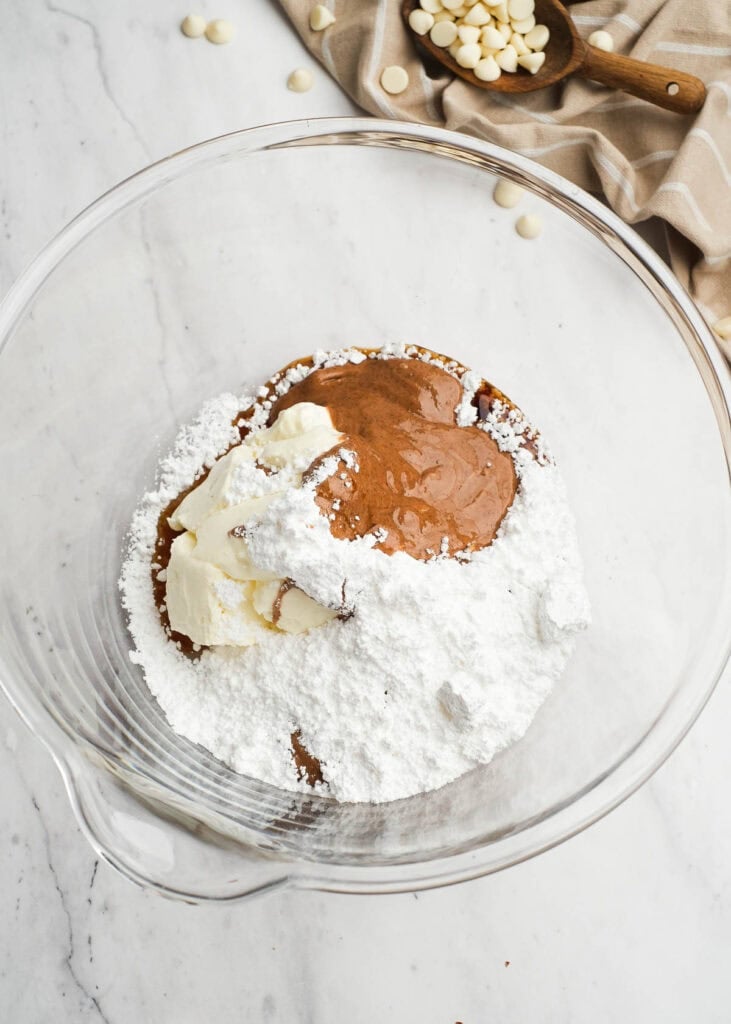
663 735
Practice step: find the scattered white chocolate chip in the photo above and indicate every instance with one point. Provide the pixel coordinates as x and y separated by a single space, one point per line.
505 31
443 16
219 31
451 5
529 226
193 26
455 48
532 62
469 55
300 80
469 33
432 6
519 44
321 18
494 39
459 12
601 40
519 9
524 26
537 38
487 70
507 59
507 194
394 79
723 328
444 33
421 21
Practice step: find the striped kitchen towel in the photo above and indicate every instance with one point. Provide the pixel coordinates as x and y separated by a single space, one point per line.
646 161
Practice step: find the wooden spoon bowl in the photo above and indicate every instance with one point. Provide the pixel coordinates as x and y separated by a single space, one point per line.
567 54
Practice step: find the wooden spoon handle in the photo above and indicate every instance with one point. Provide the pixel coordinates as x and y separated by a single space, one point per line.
673 90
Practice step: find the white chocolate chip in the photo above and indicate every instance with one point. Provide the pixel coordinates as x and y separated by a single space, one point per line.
494 39
469 33
472 36
537 38
518 43
526 25
394 79
300 80
601 40
487 70
519 9
469 55
219 31
500 11
321 18
507 59
420 21
193 26
723 328
507 194
532 62
444 33
529 226
477 15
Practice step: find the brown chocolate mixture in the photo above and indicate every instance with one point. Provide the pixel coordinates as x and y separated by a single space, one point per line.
284 587
307 765
420 476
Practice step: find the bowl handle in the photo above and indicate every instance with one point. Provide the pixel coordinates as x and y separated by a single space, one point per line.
180 858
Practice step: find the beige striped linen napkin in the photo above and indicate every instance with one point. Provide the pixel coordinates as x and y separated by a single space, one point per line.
646 161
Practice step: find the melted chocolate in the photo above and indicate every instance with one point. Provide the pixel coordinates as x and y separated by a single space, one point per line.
306 764
284 587
421 478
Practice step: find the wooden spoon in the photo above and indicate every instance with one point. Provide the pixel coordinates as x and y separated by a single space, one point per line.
568 54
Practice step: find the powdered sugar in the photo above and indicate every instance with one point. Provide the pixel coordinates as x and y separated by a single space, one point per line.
441 663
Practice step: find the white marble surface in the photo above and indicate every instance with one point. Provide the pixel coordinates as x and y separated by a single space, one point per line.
630 921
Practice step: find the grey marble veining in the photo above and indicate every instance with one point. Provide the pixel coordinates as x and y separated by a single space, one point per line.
629 921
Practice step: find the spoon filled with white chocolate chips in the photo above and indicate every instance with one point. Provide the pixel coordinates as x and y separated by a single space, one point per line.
522 45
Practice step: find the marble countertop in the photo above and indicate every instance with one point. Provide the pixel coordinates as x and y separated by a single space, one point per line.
630 921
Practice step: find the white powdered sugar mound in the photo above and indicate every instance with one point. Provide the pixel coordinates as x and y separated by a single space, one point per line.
440 665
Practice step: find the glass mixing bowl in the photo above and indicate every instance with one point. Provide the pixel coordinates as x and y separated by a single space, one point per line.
223 263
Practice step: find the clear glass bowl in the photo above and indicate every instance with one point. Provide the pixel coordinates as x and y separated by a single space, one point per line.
223 263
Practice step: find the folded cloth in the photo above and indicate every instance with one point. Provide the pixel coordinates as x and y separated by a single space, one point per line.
646 161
